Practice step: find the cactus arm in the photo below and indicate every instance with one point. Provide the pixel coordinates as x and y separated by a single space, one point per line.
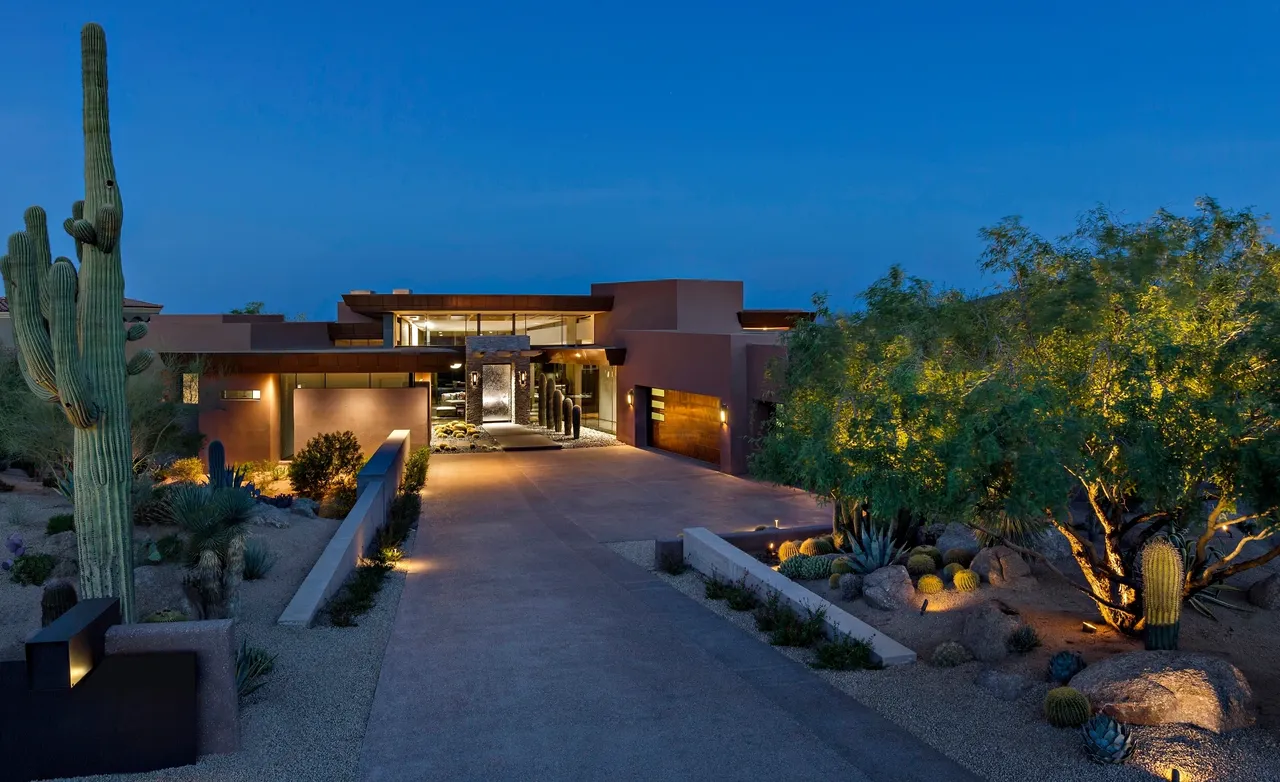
82 231
140 361
22 286
73 390
40 391
77 213
136 332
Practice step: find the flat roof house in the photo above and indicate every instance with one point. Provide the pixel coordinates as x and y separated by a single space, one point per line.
677 365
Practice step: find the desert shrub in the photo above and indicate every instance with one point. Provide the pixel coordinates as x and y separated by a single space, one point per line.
170 547
5 486
415 470
784 626
253 663
340 500
165 615
258 560
715 588
324 462
63 522
844 653
32 569
357 595
265 472
949 654
672 565
1023 639
189 469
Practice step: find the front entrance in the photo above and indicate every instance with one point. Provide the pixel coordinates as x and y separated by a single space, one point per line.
498 392
684 423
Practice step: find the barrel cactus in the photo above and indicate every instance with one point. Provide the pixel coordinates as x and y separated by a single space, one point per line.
932 552
850 586
1064 665
958 556
58 598
70 333
1162 580
921 564
787 550
1066 707
966 580
793 567
1107 741
826 544
834 581
841 566
810 547
949 572
576 414
930 584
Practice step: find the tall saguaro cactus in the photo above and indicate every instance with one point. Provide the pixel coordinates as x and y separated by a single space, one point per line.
71 335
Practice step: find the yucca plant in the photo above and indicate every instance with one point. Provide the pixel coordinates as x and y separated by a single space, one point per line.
213 520
253 663
258 560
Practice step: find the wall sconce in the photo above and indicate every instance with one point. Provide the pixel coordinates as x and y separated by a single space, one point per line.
631 398
724 413
524 380
475 379
456 365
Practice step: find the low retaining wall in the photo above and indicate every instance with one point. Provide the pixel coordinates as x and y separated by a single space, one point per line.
712 555
376 488
750 541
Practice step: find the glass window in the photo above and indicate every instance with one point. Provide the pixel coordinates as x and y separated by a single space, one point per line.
310 380
190 388
545 329
346 380
585 333
389 380
242 395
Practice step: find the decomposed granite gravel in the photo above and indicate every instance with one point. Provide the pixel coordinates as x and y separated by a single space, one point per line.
1007 741
308 721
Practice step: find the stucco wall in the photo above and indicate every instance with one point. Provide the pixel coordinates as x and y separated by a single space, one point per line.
249 429
369 412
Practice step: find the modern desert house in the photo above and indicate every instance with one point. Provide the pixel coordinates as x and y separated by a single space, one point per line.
677 365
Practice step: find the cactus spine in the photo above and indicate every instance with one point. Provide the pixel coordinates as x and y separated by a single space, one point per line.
70 332
58 598
1162 580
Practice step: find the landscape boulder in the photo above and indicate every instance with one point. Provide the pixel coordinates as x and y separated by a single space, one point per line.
888 588
1266 593
957 536
1158 687
304 507
985 630
850 586
1005 686
1000 566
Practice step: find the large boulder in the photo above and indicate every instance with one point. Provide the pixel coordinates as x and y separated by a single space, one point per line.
985 630
1005 686
957 536
1266 593
1000 566
1055 546
1155 688
888 588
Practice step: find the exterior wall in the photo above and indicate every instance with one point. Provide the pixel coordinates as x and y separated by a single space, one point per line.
285 336
6 331
248 429
369 412
636 305
490 346
196 334
708 306
761 362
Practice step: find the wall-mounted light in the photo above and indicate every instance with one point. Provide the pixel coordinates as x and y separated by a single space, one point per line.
524 380
475 379
724 414
456 365
631 398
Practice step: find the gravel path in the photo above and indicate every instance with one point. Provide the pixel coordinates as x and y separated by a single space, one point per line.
1007 742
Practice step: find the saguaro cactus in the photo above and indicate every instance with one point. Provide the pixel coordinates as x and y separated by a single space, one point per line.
217 463
1162 582
70 333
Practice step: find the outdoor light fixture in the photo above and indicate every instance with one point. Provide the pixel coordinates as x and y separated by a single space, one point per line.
524 379
1175 775
631 398
475 379
924 606
724 414
455 365
1089 627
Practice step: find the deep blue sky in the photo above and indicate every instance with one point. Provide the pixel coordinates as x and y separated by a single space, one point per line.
290 151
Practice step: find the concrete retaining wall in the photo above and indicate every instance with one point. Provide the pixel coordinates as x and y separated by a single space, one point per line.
711 555
376 488
750 541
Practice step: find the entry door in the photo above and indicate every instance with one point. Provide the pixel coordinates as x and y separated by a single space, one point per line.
684 423
497 392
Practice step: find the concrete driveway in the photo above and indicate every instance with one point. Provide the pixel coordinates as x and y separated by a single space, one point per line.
523 649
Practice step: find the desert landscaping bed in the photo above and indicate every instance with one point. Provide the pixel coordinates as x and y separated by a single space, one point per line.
587 438
318 671
1009 739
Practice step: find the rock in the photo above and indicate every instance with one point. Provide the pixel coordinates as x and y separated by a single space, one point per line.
1005 686
1155 688
1055 546
850 586
957 536
985 630
63 546
1266 593
888 588
304 507
1000 566
270 516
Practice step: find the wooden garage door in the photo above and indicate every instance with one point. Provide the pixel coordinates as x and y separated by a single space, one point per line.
684 423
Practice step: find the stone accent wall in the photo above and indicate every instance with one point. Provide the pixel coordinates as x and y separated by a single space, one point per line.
524 391
490 347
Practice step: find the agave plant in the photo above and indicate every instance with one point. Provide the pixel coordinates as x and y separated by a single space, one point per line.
872 550
1107 741
253 663
1211 596
1064 665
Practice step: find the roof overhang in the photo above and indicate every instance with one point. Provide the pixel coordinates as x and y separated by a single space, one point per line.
334 360
374 304
772 320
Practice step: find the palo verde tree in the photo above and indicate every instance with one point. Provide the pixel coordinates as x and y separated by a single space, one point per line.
1137 369
69 326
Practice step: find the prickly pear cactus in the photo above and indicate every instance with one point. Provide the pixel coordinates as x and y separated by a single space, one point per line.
1162 579
69 327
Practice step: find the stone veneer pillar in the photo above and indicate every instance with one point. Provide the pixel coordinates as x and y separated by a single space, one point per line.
491 347
524 391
